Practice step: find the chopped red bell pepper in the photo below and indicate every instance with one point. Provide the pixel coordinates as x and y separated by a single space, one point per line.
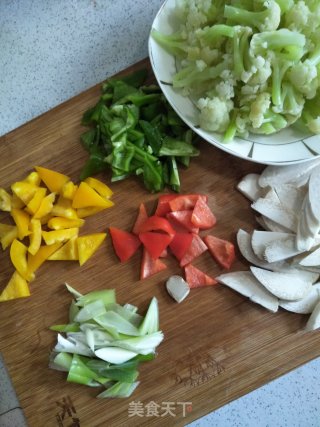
163 206
197 278
185 202
183 218
141 219
221 250
150 266
202 216
125 244
156 223
155 243
180 244
196 248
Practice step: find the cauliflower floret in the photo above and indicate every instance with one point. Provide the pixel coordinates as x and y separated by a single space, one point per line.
314 125
214 114
297 16
225 89
304 77
258 109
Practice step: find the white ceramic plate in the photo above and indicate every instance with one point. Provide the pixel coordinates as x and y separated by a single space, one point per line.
286 147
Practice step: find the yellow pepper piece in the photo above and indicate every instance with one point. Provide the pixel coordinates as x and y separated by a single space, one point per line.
100 187
7 234
22 220
91 210
63 208
16 288
33 178
35 236
24 190
88 245
53 180
51 237
5 200
36 200
68 190
68 252
58 223
16 202
86 196
35 261
18 256
45 207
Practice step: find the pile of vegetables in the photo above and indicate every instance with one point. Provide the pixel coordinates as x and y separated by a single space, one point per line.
174 228
251 65
105 342
46 226
134 131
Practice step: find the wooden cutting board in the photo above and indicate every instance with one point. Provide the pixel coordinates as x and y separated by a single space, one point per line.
218 345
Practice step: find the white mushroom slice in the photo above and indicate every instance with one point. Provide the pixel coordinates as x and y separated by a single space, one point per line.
272 175
250 188
270 225
314 193
290 196
246 284
244 244
312 223
307 275
287 286
280 250
273 210
314 320
260 239
304 305
177 288
307 228
311 260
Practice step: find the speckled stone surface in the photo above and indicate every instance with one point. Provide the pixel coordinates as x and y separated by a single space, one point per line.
52 50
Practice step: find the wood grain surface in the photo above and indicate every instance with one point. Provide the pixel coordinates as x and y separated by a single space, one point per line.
218 345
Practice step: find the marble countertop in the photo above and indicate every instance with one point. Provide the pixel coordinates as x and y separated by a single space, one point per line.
53 50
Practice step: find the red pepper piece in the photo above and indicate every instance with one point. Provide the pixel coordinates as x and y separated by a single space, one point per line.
202 216
221 250
163 206
157 223
125 244
196 248
183 218
150 266
197 278
155 243
141 219
180 244
185 202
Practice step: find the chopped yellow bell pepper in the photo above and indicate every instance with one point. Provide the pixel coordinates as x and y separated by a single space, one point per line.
35 236
68 252
35 261
22 220
18 256
5 200
92 210
16 202
68 190
33 178
16 288
36 200
51 237
24 190
99 186
53 180
63 208
58 223
88 245
45 207
86 196
7 234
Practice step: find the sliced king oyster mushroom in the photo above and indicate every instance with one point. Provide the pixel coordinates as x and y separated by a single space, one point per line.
250 188
283 249
286 286
246 284
314 320
294 174
244 244
304 305
290 196
314 193
260 239
307 229
274 210
312 259
270 225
